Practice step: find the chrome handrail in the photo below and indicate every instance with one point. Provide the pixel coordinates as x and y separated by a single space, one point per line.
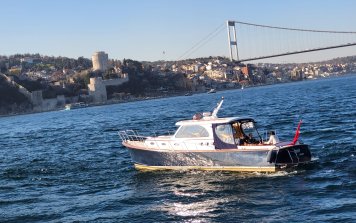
130 135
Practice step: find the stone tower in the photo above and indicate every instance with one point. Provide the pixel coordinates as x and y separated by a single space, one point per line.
100 61
97 90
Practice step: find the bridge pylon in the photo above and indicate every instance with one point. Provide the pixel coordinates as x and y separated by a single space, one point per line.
232 39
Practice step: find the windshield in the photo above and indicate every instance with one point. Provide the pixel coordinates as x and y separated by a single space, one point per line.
247 127
245 132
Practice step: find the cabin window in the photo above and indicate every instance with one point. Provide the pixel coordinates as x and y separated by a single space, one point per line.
249 129
192 131
224 133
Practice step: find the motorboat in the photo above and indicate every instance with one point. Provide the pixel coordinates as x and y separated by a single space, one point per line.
208 142
75 106
211 91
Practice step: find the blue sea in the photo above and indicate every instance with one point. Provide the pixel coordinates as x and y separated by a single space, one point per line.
70 166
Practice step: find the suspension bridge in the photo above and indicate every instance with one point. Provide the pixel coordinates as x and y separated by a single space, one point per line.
250 41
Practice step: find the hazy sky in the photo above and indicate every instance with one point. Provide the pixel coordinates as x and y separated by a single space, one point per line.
144 29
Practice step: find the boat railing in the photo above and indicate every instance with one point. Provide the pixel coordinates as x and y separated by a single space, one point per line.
266 134
133 136
130 135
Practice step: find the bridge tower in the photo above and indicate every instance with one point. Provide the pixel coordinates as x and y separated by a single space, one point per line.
232 41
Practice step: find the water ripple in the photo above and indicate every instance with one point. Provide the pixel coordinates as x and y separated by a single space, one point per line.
70 166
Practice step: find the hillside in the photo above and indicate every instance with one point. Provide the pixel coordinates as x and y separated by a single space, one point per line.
11 100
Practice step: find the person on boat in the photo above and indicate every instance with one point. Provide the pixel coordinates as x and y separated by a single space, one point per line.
250 140
197 116
273 138
238 135
241 138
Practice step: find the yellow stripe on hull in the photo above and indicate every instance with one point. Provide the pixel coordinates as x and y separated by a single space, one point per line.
208 168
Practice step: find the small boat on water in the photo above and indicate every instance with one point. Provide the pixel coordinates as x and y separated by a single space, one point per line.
75 106
211 91
208 142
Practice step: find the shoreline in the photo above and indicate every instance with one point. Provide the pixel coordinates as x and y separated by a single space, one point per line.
111 102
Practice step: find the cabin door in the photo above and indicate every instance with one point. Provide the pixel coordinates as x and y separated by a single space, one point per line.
223 136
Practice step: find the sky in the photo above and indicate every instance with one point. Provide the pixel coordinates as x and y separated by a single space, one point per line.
150 30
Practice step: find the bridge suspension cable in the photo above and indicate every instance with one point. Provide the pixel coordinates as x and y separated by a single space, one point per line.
202 42
298 52
256 41
294 29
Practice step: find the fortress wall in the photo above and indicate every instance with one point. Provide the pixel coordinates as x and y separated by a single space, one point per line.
22 90
49 104
117 81
97 87
36 98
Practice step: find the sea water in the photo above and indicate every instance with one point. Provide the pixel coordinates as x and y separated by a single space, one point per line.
70 166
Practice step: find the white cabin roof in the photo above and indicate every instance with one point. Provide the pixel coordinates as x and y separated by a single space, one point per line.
210 120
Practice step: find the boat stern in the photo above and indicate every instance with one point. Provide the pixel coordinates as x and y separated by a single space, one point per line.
292 155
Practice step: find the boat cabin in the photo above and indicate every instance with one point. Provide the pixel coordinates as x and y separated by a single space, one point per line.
206 131
223 133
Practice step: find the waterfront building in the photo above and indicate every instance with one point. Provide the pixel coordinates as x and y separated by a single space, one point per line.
100 61
27 60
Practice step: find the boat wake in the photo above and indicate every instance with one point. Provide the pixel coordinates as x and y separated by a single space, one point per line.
183 193
278 174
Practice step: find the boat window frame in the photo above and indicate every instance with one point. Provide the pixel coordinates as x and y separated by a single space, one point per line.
245 131
249 129
203 133
225 134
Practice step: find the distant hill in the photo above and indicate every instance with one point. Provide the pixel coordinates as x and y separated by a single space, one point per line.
349 59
